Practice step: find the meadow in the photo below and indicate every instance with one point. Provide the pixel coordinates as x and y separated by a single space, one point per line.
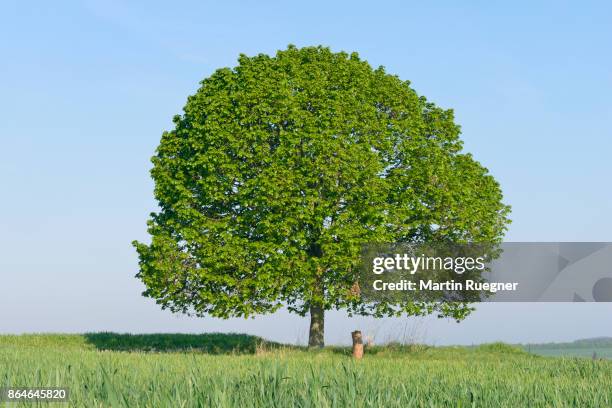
218 370
588 348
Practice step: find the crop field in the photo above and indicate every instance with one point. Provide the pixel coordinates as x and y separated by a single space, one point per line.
108 370
598 352
592 348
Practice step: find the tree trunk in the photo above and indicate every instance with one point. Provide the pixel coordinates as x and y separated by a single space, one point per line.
317 326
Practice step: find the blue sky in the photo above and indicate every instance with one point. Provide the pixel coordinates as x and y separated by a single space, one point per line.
88 87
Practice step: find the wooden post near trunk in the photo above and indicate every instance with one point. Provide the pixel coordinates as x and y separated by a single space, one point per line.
357 345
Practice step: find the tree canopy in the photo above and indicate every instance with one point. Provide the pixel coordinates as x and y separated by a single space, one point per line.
281 168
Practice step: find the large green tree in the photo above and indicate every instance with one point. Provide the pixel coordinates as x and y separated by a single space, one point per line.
281 168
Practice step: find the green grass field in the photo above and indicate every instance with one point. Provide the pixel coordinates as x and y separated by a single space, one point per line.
600 347
106 370
586 352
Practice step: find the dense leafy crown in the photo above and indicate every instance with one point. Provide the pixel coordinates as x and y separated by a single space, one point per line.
280 168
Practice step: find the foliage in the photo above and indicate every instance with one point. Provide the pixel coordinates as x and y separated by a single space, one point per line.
281 168
501 348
